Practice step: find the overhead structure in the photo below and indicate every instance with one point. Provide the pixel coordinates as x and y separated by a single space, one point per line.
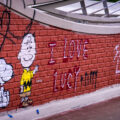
86 11
85 16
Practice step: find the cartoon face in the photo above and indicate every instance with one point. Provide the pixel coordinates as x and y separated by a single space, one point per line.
6 72
27 52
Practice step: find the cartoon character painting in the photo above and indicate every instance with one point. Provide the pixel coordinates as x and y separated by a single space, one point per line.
27 56
6 73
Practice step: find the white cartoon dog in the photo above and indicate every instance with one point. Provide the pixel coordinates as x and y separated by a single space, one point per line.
6 74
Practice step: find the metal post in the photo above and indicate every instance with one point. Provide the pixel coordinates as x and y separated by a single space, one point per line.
83 7
105 7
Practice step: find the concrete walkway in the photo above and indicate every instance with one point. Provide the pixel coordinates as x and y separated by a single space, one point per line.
108 110
59 108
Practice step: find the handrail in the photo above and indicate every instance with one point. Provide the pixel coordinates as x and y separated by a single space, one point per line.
83 7
51 9
115 11
86 7
105 8
79 16
114 4
99 9
96 11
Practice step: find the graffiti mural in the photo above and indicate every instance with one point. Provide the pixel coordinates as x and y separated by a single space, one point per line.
65 69
5 19
117 58
72 49
65 79
51 45
6 73
27 46
78 46
27 56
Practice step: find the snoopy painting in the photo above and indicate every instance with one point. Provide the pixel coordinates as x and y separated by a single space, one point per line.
6 73
26 57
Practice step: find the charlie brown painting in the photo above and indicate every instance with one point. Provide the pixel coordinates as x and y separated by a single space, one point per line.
27 56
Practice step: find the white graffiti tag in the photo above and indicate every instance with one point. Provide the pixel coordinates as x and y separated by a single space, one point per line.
6 74
117 57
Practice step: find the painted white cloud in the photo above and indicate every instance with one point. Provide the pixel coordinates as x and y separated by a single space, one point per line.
6 71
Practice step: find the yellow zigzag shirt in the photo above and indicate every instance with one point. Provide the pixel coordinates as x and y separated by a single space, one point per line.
26 80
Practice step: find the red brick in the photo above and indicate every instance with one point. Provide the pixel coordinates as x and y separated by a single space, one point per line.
51 32
12 53
43 33
100 58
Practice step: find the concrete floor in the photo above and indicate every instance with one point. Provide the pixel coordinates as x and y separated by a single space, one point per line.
108 110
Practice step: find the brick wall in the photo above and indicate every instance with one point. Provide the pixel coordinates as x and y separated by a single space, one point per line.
69 63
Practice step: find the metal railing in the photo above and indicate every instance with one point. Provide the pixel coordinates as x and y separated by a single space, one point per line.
105 8
102 14
84 7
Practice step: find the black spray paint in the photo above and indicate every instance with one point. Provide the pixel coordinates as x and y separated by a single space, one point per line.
7 15
91 78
